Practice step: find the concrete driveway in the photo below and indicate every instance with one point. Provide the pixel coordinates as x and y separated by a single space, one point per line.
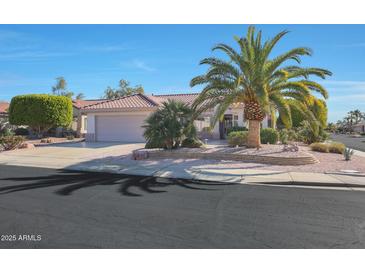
64 155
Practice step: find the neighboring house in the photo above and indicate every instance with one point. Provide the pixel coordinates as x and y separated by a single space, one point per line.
79 123
359 127
122 119
4 109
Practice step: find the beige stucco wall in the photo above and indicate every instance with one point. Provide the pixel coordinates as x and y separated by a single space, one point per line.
89 128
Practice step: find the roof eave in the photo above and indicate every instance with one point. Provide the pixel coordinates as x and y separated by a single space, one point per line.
132 109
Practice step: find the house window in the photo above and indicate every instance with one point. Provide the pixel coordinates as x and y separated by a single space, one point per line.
235 120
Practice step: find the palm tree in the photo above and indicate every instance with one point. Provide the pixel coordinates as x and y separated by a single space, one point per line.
356 115
60 88
169 125
260 81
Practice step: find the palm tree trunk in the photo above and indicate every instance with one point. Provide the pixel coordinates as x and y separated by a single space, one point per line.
253 138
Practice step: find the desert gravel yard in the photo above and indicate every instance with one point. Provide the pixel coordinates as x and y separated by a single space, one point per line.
328 162
101 154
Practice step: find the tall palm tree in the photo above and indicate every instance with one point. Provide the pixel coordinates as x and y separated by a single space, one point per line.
261 82
356 115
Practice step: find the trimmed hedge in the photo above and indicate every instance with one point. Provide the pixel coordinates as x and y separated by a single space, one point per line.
236 128
269 135
191 143
237 138
40 111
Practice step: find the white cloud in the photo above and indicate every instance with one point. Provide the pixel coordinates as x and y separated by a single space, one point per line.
143 66
139 65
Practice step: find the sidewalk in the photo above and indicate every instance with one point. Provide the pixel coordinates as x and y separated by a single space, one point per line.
231 175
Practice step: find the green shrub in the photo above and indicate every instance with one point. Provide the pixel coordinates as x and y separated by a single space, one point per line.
288 135
236 128
40 111
312 132
269 135
336 148
7 132
283 136
21 131
191 142
11 142
70 137
169 125
320 147
237 138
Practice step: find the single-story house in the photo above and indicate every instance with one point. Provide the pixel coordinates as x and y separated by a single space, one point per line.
359 127
79 123
4 109
121 119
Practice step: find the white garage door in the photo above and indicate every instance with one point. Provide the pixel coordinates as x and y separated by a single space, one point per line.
119 128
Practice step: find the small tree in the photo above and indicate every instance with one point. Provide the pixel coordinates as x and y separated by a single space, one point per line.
168 126
124 89
40 111
80 96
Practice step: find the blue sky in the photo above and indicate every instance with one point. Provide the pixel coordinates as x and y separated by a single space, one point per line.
163 58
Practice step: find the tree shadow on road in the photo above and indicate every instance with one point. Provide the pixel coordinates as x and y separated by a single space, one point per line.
71 181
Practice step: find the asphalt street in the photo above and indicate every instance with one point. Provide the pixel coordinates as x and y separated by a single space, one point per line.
355 143
49 208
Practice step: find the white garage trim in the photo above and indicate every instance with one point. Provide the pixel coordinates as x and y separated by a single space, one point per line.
116 127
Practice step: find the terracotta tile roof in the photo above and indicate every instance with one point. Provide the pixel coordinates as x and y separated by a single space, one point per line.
84 103
132 101
3 107
187 98
142 101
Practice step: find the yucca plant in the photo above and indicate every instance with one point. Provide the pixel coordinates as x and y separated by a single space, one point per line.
253 77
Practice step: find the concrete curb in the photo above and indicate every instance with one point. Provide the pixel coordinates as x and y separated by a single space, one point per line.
198 175
346 174
59 143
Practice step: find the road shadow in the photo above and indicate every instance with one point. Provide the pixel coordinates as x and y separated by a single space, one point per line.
71 181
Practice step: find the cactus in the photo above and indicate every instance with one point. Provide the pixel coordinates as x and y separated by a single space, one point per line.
347 153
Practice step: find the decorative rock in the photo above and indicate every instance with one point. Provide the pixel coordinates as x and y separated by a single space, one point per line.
291 148
139 155
26 145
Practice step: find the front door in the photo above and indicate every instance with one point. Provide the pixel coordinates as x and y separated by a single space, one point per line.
224 125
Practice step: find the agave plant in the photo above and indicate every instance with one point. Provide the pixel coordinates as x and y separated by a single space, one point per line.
347 153
253 77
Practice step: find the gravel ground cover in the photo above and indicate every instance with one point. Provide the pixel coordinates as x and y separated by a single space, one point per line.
328 162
